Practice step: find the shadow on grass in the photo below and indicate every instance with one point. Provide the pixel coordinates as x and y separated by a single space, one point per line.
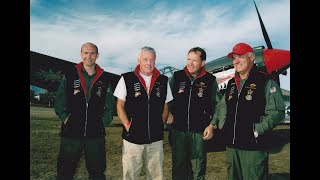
273 141
279 176
276 139
216 143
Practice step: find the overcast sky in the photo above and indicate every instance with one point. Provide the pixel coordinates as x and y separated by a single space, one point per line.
120 28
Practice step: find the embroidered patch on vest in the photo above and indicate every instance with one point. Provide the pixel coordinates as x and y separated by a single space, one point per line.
231 92
76 83
182 86
158 92
136 87
99 91
201 85
76 91
251 86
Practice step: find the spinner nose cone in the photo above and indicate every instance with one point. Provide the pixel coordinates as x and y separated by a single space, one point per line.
276 59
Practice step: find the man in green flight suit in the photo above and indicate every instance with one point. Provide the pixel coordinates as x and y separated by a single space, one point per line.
85 104
196 95
251 106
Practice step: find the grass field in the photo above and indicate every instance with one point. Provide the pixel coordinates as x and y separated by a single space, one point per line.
44 148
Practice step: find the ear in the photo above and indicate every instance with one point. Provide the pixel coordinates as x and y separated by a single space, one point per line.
138 57
203 63
252 57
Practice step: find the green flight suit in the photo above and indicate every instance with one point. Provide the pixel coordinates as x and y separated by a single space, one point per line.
245 164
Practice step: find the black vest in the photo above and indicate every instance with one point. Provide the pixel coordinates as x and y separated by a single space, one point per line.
244 110
83 120
144 113
192 104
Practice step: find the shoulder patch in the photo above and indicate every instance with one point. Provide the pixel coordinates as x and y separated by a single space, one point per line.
273 89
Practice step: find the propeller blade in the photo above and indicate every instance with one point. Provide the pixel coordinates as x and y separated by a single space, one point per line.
264 31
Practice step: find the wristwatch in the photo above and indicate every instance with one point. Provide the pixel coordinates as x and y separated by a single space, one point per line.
214 126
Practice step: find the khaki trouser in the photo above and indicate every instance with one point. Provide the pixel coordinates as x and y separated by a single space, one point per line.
136 156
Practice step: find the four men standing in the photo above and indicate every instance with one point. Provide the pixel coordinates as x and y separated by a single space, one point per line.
251 106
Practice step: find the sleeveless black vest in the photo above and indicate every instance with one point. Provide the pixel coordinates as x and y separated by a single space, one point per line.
143 111
244 110
192 104
83 120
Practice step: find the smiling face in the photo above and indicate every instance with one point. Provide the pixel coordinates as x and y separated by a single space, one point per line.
194 63
147 61
89 54
243 63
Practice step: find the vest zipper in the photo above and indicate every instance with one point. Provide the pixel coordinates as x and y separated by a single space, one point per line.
235 115
149 117
148 93
85 125
189 106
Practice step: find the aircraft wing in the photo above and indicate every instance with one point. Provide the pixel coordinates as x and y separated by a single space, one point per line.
46 72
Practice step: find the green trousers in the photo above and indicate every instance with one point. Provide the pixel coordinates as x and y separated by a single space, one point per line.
244 164
70 153
189 155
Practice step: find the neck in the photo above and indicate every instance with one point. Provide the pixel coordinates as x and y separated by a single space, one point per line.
90 69
196 74
145 74
244 75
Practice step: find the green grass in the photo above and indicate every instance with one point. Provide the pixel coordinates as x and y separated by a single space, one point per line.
44 148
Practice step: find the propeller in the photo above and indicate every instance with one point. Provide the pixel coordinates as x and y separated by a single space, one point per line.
264 31
274 74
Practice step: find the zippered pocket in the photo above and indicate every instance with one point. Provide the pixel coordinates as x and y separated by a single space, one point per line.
253 129
130 125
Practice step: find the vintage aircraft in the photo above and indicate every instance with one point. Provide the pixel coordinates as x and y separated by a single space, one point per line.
46 71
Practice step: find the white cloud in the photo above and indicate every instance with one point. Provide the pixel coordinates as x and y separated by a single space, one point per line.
171 32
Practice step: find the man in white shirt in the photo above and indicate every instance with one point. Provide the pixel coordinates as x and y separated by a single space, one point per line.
142 108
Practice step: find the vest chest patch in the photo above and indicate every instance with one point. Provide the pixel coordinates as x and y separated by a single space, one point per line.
76 85
182 86
136 88
76 91
158 93
250 90
231 92
100 86
249 95
200 87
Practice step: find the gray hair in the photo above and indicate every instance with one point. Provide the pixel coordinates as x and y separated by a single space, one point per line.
249 54
149 49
